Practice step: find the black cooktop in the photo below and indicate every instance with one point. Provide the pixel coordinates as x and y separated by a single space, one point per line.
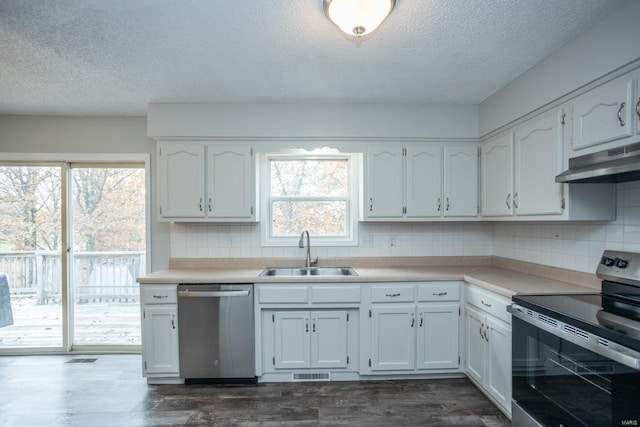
613 318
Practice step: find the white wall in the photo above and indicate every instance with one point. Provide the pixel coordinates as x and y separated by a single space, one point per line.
573 245
326 121
606 46
78 135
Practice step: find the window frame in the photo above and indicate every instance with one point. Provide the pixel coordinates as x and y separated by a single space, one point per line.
352 199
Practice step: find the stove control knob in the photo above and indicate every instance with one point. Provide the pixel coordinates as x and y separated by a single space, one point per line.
608 262
621 263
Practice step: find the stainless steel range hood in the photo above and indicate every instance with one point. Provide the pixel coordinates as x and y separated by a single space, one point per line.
616 165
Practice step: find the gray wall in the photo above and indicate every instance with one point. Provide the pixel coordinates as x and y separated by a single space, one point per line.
610 44
80 135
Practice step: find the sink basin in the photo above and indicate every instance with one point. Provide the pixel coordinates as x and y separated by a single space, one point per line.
313 271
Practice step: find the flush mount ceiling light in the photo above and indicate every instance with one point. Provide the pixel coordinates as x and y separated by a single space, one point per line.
358 17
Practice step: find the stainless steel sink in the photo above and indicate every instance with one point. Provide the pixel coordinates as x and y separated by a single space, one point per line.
311 271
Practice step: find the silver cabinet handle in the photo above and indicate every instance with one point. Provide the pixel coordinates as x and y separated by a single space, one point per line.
209 204
440 204
515 200
486 334
438 294
620 119
393 295
481 328
413 321
306 325
313 326
200 204
161 296
370 204
638 108
486 304
173 324
421 319
448 203
508 201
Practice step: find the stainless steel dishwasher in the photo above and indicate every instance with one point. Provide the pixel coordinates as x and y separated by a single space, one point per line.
216 333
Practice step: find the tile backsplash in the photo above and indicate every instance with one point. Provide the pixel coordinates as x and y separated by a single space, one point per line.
573 245
570 245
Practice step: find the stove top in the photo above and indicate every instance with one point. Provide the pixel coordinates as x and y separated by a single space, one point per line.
613 314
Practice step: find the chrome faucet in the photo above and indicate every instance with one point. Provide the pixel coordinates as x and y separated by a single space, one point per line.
301 245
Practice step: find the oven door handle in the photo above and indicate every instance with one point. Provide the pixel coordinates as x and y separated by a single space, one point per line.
618 353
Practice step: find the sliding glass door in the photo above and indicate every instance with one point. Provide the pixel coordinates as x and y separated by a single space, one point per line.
31 242
72 242
108 221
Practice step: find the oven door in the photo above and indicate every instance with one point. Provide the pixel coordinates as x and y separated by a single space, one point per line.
560 383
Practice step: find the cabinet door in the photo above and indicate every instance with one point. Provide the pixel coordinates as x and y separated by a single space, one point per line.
475 344
328 339
393 338
292 339
160 339
424 181
438 336
538 146
498 370
385 182
497 176
460 181
230 182
181 179
603 114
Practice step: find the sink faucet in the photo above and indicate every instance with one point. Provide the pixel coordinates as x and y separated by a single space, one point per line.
301 245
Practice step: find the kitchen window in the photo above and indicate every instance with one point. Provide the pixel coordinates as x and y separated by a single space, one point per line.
315 192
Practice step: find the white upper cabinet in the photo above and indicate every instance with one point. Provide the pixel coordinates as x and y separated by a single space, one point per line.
206 182
385 182
181 180
538 157
603 114
230 182
497 176
424 181
421 182
460 181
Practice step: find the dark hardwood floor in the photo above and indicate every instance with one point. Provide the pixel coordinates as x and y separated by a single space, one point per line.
65 391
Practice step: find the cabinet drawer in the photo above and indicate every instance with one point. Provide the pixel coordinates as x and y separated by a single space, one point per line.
283 294
490 302
159 294
335 294
392 293
439 291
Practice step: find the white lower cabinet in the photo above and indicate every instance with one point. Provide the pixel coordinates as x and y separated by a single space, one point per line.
407 332
309 339
160 331
488 345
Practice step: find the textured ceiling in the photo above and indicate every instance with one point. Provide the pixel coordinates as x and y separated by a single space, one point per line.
116 56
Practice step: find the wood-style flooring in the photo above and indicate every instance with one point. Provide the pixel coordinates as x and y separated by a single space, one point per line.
110 391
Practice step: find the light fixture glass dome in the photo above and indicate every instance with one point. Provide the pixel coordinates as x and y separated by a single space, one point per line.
358 17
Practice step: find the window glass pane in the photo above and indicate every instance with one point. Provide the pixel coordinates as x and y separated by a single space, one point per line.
323 218
309 178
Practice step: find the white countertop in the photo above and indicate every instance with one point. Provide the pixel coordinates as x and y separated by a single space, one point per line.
500 280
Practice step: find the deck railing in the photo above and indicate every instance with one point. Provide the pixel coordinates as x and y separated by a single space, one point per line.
96 276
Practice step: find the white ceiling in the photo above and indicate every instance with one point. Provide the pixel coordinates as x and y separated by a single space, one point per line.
116 56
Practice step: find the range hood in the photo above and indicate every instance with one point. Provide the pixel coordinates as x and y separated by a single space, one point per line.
616 165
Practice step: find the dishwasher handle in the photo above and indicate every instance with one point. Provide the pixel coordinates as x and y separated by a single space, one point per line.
212 294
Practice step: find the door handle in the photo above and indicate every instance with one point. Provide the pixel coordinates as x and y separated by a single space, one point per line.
620 119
